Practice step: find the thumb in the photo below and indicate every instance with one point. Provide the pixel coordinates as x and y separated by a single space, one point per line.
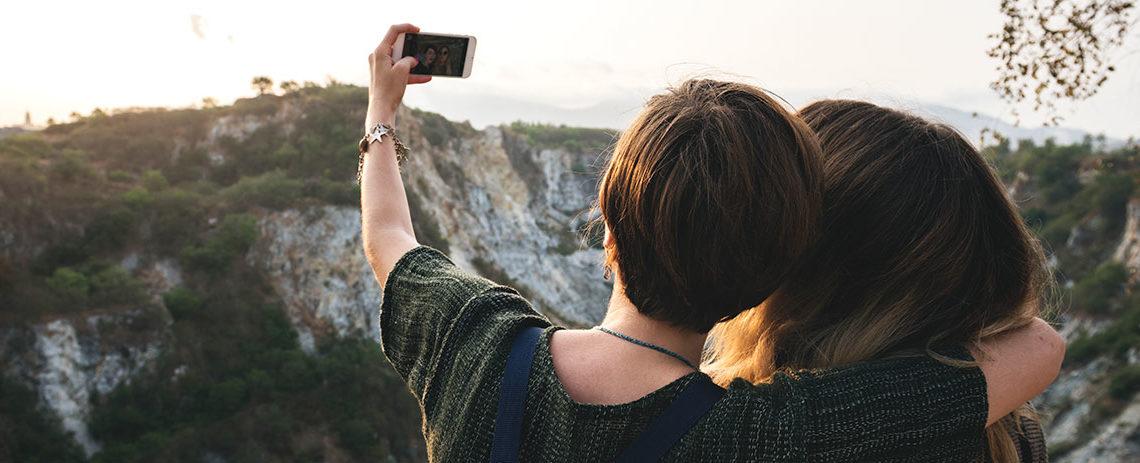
405 64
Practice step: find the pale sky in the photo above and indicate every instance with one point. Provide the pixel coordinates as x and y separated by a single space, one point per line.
69 56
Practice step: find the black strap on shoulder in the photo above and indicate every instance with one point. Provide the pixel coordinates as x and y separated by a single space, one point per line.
674 422
512 397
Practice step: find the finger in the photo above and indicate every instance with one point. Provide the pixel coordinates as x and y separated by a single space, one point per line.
390 38
406 64
418 79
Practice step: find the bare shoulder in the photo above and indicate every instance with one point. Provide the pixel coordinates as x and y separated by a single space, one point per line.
594 369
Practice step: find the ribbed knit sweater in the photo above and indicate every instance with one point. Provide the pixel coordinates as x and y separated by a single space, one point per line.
448 334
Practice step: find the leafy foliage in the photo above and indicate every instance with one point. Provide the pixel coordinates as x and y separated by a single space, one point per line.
1057 50
438 130
1093 293
1114 341
262 84
214 257
1125 382
26 434
574 139
1062 189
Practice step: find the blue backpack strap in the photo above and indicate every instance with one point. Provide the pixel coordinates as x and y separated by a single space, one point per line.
674 422
512 397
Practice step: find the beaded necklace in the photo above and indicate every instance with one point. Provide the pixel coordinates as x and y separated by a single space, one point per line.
646 344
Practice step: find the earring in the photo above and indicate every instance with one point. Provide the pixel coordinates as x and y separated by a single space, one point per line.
608 273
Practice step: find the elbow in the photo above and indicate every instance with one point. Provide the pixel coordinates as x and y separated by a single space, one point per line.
383 248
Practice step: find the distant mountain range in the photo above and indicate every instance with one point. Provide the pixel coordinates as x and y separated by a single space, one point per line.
483 110
971 124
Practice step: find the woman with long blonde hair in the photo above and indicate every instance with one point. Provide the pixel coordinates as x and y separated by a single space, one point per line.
919 246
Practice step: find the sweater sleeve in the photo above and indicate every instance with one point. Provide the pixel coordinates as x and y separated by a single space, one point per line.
440 324
895 409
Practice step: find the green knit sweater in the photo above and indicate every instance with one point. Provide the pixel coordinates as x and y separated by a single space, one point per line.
448 334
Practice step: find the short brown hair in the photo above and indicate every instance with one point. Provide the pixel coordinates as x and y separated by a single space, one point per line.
711 196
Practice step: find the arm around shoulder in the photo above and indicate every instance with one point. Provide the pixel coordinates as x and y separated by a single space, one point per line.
1018 365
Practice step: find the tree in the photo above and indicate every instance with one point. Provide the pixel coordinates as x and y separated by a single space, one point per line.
289 86
1056 50
209 102
262 84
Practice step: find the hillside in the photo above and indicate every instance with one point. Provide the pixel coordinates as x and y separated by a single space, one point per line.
181 285
188 285
1083 204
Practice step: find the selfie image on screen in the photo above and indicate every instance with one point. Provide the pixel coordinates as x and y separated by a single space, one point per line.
438 55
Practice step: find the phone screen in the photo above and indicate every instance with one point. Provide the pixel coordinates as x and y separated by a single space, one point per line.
439 55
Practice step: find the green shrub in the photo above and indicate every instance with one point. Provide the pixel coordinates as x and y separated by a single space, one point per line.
110 230
1093 293
181 302
438 130
264 105
138 199
235 235
24 146
72 164
1125 382
180 215
424 226
119 176
153 180
238 232
191 165
65 254
114 285
1122 334
333 192
69 285
29 434
272 190
357 435
227 396
285 155
573 139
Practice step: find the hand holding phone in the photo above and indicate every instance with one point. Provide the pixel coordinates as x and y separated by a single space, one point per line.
389 78
442 55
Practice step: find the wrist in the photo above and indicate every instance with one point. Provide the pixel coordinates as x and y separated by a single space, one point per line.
379 115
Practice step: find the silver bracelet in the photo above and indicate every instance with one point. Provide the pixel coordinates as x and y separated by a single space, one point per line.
377 134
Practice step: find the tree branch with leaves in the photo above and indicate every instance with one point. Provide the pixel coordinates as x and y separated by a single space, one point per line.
1057 50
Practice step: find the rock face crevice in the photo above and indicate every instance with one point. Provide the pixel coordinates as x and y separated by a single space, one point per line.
70 360
1128 251
498 201
315 260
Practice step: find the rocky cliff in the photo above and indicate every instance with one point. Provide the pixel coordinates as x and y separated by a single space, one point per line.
1083 422
503 202
500 207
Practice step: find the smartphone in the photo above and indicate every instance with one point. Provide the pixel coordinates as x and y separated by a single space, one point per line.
442 55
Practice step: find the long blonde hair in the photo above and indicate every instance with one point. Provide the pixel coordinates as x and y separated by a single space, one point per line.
919 245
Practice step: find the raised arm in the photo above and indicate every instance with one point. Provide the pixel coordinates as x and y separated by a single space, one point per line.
386 224
1019 365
